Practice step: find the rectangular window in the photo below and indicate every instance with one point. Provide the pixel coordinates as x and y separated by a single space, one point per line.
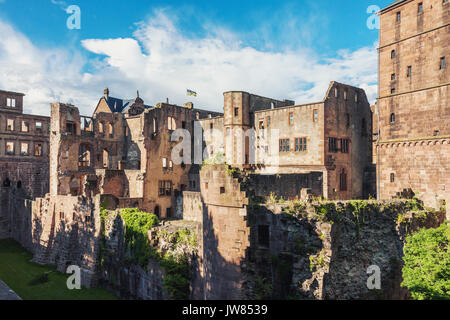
315 115
392 90
165 188
25 126
222 190
300 144
284 145
393 76
264 236
10 125
227 132
236 112
39 125
11 102
409 72
10 148
332 145
268 122
393 54
344 145
24 149
442 64
399 16
164 162
420 8
38 150
291 118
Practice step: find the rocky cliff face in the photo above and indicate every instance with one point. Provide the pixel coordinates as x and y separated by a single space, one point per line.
324 250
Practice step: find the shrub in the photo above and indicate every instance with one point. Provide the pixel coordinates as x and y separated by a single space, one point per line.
426 270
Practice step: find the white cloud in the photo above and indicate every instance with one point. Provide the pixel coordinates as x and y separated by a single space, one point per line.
161 62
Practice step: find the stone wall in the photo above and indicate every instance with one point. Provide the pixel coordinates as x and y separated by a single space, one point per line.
323 250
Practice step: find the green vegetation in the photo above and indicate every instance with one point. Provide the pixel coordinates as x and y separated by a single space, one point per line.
219 158
426 270
139 250
35 282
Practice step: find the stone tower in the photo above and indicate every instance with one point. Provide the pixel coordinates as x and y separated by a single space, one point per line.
413 112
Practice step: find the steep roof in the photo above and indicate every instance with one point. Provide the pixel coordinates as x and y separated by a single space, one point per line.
120 105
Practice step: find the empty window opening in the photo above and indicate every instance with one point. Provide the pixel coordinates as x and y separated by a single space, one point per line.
25 126
392 177
264 236
84 156
70 128
222 190
39 126
24 149
171 123
10 148
236 112
10 125
38 149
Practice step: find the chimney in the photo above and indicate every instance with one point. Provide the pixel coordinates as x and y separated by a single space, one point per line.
106 93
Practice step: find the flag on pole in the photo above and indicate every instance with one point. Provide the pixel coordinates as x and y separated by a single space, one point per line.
191 93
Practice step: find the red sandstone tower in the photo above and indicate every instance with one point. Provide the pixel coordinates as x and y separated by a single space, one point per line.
413 146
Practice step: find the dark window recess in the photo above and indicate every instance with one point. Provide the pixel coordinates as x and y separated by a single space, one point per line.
222 190
392 118
345 143
392 177
264 236
236 112
343 180
332 145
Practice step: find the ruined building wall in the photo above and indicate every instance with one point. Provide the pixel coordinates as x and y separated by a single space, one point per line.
225 233
347 116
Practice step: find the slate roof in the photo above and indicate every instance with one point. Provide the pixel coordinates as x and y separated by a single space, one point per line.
121 105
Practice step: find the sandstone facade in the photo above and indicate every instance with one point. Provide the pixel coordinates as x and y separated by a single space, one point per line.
413 109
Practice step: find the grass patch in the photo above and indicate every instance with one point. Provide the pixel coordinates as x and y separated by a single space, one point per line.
35 282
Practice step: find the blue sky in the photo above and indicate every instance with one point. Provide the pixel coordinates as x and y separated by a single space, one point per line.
281 49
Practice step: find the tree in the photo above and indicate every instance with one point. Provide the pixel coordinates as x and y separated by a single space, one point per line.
426 270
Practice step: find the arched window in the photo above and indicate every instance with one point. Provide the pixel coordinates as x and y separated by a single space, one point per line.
100 127
392 177
84 156
392 118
